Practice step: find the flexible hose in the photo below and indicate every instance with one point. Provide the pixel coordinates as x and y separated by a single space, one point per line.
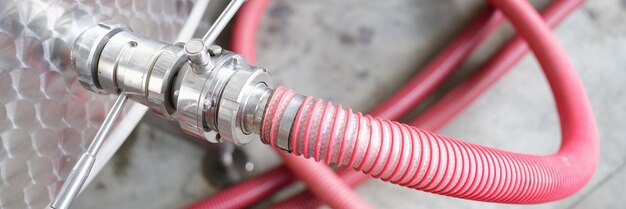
455 101
248 191
246 26
335 192
465 93
346 173
244 43
307 199
430 162
325 183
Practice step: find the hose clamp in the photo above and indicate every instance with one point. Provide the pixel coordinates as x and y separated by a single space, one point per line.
286 123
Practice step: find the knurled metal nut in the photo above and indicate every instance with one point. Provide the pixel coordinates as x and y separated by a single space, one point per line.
86 52
233 97
161 76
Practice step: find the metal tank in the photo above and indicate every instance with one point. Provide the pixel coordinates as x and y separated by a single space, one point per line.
46 118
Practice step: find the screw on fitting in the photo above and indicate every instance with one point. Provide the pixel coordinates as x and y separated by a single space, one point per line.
198 56
86 53
207 89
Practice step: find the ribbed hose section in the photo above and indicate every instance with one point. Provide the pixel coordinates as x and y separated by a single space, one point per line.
331 189
461 96
416 158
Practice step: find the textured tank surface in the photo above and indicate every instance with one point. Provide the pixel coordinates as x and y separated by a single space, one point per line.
46 118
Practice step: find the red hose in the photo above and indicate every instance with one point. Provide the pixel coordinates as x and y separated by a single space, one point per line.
346 173
325 184
306 199
455 101
246 26
244 37
427 161
319 178
335 192
248 191
465 93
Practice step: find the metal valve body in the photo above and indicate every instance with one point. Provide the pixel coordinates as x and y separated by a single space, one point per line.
206 89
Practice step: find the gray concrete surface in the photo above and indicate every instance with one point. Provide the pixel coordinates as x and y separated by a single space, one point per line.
357 52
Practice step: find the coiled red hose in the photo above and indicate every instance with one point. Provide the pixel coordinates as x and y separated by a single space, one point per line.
427 161
253 50
455 101
460 97
243 42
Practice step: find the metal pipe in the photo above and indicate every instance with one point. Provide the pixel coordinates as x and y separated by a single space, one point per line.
74 183
221 22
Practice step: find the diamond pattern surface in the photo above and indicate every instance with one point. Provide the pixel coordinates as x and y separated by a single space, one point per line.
46 118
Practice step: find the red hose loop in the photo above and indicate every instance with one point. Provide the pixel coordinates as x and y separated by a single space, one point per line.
456 101
244 43
331 189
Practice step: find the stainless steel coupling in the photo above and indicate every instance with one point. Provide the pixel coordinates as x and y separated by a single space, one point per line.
206 89
228 99
111 58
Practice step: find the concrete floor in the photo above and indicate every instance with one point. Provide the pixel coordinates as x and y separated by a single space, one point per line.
357 52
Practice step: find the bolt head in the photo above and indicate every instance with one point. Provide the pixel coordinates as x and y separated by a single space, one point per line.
195 47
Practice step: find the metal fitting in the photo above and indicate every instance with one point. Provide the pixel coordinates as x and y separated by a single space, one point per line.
241 90
206 89
86 53
198 56
284 128
216 100
159 89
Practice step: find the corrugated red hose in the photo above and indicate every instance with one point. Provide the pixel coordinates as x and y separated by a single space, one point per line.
465 92
253 42
244 40
325 183
430 162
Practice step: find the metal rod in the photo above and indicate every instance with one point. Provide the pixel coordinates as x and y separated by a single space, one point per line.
104 130
221 22
77 177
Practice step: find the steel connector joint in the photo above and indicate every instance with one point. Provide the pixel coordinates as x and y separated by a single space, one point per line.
213 93
227 99
86 53
111 59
